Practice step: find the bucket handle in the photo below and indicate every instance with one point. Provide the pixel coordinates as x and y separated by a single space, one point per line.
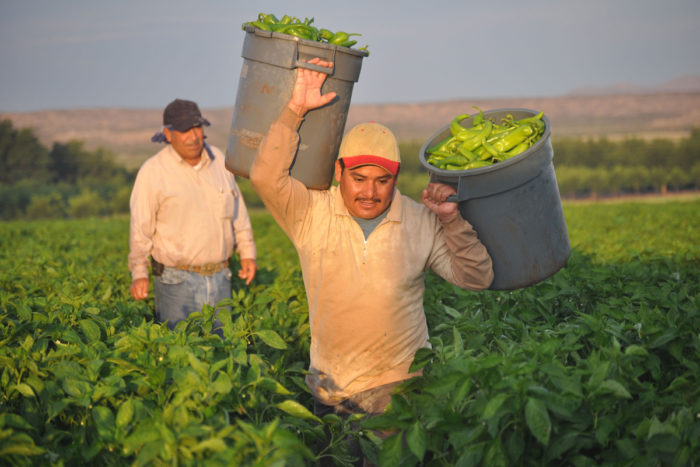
310 66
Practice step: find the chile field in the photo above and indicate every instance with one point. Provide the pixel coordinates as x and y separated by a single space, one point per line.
597 365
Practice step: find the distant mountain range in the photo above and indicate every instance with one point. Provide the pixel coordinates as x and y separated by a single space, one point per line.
690 83
669 111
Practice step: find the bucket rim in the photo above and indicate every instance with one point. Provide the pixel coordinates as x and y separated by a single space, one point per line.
443 173
288 37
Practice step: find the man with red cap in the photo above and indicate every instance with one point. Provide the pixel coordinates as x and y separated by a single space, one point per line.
188 216
364 249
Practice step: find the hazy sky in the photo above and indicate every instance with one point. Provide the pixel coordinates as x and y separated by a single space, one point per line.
57 54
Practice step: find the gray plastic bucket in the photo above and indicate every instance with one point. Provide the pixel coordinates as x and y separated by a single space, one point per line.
514 206
265 86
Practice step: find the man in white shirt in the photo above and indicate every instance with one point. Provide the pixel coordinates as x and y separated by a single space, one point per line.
188 215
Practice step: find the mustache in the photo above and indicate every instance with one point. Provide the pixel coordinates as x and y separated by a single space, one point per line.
362 199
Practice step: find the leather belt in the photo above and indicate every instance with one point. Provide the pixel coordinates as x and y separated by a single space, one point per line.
206 269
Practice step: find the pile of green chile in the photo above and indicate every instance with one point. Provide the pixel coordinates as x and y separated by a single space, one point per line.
303 30
485 142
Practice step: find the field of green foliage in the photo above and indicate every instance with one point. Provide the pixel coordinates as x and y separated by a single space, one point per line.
598 365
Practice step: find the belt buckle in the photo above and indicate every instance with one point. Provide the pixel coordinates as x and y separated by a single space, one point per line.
209 269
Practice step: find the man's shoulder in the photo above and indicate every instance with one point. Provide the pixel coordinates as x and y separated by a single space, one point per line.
156 162
162 153
218 155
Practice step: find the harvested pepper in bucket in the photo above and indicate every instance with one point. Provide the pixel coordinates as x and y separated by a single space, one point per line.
303 30
485 142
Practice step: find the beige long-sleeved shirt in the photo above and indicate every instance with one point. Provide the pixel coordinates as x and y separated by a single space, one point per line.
365 296
186 215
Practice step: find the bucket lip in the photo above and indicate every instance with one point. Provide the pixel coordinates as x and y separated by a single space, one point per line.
489 168
288 37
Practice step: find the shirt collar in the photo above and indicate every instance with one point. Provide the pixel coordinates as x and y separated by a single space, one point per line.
205 159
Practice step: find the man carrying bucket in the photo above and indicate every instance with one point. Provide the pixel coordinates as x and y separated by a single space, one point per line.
364 249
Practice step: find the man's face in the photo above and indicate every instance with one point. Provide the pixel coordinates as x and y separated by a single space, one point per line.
188 144
367 190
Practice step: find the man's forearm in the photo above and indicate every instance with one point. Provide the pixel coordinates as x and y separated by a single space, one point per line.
471 263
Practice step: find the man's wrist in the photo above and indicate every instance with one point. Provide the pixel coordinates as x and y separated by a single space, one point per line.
297 109
448 218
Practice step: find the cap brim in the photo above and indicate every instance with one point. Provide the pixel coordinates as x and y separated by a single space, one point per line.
352 162
186 125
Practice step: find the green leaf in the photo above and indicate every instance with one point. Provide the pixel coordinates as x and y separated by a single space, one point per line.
90 329
271 338
75 388
457 340
295 409
599 373
537 419
125 413
423 356
636 350
212 444
452 312
202 369
15 421
443 385
24 449
28 343
273 385
663 339
390 455
613 387
222 384
417 439
146 432
104 422
493 405
24 312
25 389
494 455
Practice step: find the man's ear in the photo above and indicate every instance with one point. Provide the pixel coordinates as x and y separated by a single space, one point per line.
338 170
166 132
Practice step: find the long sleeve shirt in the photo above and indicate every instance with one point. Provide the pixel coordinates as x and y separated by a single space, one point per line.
365 296
186 215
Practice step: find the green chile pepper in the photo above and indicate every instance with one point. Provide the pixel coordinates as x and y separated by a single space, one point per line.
439 146
468 133
479 118
486 142
268 18
475 164
455 127
340 37
492 151
475 141
303 30
534 118
468 165
258 24
520 148
509 140
456 160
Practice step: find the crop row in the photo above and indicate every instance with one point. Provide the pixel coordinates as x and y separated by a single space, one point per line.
596 365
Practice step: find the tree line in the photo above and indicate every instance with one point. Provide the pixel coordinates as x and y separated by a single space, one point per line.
632 166
66 180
